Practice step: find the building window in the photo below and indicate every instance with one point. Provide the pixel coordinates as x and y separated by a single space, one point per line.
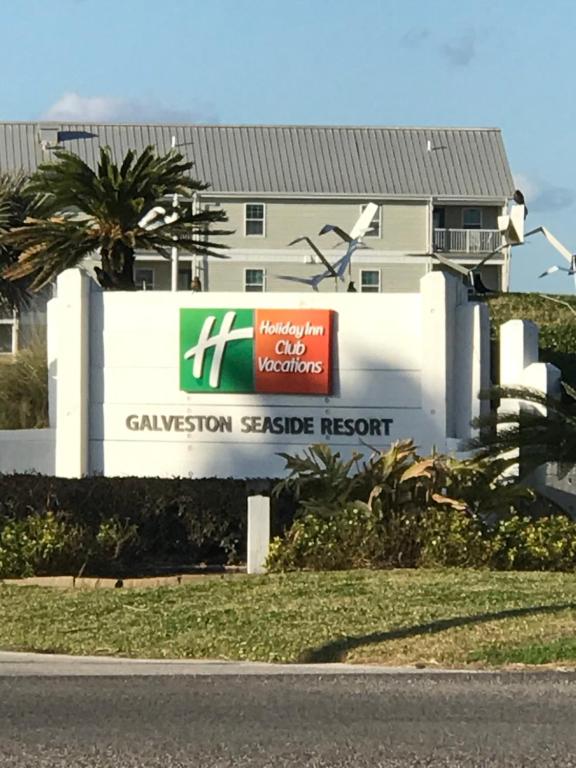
375 224
184 277
439 218
254 219
144 278
254 280
7 333
472 218
370 280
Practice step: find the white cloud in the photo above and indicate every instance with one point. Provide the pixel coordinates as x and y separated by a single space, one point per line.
526 185
74 107
415 36
460 50
543 196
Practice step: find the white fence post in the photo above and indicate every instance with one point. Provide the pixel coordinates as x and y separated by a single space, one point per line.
519 367
471 368
258 533
441 294
518 350
72 373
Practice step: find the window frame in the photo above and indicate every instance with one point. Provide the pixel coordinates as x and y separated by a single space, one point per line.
13 323
184 276
378 286
152 270
247 285
378 216
472 208
246 220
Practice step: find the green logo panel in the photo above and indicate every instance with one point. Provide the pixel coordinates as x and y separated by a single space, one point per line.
217 350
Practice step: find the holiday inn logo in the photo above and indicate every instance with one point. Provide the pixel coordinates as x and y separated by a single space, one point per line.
256 350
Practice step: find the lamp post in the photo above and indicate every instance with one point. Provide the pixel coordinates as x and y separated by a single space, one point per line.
174 249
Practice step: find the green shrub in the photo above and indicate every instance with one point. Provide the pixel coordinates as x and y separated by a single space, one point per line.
451 539
546 544
356 538
345 539
39 544
429 512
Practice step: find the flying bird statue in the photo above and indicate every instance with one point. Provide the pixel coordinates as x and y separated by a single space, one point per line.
317 251
571 270
511 224
511 227
338 269
555 243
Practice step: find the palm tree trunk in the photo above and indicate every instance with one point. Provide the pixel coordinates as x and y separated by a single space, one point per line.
117 271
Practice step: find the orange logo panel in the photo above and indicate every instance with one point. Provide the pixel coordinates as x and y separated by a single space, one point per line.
293 349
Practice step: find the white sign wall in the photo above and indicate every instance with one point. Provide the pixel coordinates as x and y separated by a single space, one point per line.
398 362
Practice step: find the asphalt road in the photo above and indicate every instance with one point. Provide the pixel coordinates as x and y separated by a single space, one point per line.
215 715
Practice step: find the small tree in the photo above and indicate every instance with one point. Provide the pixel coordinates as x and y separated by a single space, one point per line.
113 212
15 207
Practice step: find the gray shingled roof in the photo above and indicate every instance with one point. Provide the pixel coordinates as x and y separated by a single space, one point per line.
296 160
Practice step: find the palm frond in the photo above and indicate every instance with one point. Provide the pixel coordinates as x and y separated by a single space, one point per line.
540 429
78 211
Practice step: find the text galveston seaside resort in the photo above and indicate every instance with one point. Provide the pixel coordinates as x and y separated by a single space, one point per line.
275 425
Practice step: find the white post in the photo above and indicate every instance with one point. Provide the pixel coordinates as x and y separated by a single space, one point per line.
15 332
195 211
258 533
174 249
440 296
519 367
174 276
518 350
471 367
72 372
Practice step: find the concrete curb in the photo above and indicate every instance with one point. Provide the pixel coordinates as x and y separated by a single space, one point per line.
146 582
26 664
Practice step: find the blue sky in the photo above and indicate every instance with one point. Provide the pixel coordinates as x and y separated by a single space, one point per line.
376 62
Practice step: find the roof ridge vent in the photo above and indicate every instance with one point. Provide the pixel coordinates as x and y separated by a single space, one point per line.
48 136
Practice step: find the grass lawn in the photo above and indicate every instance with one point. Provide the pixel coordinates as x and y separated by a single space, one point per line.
446 618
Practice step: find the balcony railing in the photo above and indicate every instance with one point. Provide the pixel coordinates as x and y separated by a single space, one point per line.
467 240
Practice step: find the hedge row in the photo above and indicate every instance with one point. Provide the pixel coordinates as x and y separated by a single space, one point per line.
557 323
120 526
359 537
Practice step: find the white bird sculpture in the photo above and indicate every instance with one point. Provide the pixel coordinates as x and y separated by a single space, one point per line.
156 217
555 243
571 270
317 251
354 240
359 229
511 225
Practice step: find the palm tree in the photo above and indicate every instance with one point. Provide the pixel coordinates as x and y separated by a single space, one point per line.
542 430
111 211
15 207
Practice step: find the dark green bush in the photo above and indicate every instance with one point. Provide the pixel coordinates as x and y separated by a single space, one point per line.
119 526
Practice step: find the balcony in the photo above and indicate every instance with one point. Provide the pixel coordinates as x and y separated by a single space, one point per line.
467 240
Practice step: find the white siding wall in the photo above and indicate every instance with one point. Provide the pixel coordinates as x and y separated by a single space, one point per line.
403 225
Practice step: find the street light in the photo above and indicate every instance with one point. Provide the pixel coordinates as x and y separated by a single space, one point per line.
174 249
